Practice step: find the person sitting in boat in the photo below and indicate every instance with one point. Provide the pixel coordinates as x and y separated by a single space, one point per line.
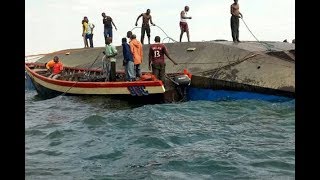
109 62
55 67
156 59
128 60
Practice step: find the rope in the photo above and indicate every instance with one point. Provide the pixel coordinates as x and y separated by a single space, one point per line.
231 63
78 80
263 43
93 62
68 89
166 37
206 63
268 46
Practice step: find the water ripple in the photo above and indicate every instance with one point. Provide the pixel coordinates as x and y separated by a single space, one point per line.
102 138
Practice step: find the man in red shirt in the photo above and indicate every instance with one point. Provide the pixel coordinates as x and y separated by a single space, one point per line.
56 67
156 59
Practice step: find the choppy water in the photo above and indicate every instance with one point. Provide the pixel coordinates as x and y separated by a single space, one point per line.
100 138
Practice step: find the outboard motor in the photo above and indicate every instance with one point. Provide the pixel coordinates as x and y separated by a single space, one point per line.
176 90
182 80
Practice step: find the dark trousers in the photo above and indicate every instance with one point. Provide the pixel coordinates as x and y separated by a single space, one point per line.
144 29
90 37
113 72
137 70
235 28
159 70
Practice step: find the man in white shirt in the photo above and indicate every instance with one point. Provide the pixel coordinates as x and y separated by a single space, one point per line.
183 23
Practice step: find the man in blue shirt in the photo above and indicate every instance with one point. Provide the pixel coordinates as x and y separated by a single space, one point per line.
128 60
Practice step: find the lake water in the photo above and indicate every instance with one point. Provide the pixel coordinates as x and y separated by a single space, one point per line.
70 137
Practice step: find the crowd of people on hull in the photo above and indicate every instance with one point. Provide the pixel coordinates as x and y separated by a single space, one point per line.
133 49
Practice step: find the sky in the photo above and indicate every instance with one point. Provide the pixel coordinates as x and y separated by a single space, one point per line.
53 25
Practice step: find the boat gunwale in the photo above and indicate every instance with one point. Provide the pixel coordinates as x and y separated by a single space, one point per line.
89 84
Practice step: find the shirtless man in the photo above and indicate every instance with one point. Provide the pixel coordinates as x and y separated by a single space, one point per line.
183 23
235 15
145 25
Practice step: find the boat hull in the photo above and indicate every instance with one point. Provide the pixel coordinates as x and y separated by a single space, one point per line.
144 91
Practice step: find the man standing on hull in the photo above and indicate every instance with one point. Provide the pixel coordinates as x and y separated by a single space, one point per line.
145 25
235 15
183 23
108 22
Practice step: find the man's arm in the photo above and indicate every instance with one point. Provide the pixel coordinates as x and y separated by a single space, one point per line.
167 54
114 25
138 19
231 10
92 27
151 20
124 51
48 65
131 48
83 30
61 67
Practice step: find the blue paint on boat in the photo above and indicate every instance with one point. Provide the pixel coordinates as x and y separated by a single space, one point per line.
218 95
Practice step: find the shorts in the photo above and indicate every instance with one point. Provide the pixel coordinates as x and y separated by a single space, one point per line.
184 26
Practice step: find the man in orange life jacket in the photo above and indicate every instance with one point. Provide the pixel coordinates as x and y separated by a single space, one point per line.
156 59
55 67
